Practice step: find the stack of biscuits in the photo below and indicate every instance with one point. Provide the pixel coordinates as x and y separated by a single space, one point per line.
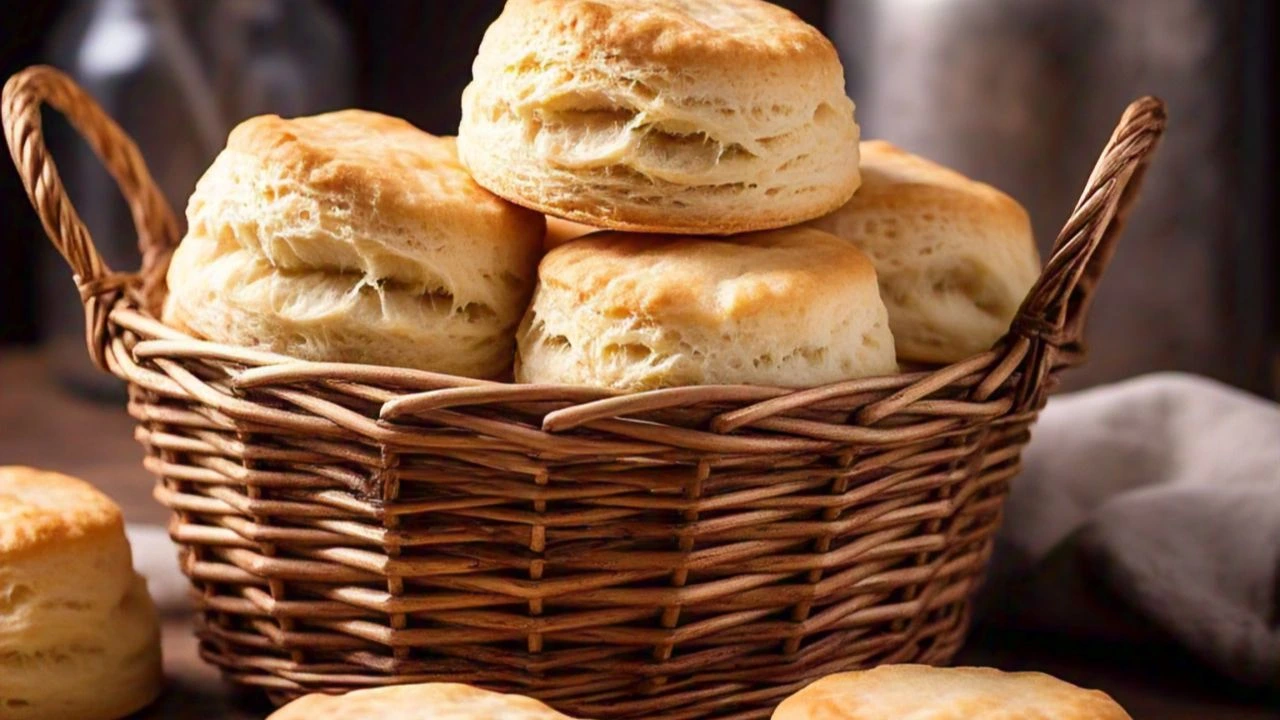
642 194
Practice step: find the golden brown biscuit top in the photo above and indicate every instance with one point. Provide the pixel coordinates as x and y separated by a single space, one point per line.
439 701
369 158
356 191
892 692
39 508
703 279
895 178
672 32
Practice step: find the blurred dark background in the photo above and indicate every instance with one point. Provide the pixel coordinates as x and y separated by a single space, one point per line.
1020 93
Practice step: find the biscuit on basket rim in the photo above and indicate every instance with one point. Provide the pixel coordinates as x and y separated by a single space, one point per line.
353 237
795 307
955 256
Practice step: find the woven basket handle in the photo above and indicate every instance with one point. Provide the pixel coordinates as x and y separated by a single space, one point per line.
157 228
1053 315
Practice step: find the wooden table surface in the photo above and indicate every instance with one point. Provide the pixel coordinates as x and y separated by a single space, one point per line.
43 426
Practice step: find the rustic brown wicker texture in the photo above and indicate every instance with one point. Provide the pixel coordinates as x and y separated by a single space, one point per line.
686 553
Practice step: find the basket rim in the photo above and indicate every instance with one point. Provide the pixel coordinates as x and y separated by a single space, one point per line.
177 341
418 391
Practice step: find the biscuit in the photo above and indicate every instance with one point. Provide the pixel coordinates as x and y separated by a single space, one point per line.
79 636
353 237
919 692
955 257
439 701
794 307
669 116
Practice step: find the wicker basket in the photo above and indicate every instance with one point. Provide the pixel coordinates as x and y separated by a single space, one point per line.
687 553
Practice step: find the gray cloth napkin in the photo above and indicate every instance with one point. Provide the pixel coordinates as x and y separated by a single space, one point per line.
1149 509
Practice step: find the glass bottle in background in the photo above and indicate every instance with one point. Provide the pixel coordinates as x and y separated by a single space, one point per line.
135 59
288 57
177 75
1020 93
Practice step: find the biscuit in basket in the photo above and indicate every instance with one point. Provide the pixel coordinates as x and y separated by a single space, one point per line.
438 701
672 116
955 256
561 231
79 636
792 307
353 237
919 692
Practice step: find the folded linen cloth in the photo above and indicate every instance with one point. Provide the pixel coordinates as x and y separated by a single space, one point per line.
155 557
1149 509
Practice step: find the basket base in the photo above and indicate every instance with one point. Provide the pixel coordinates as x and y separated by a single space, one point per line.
751 694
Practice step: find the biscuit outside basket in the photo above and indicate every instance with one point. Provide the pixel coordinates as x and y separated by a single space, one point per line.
696 552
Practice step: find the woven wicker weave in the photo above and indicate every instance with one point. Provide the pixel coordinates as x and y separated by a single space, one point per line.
686 553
